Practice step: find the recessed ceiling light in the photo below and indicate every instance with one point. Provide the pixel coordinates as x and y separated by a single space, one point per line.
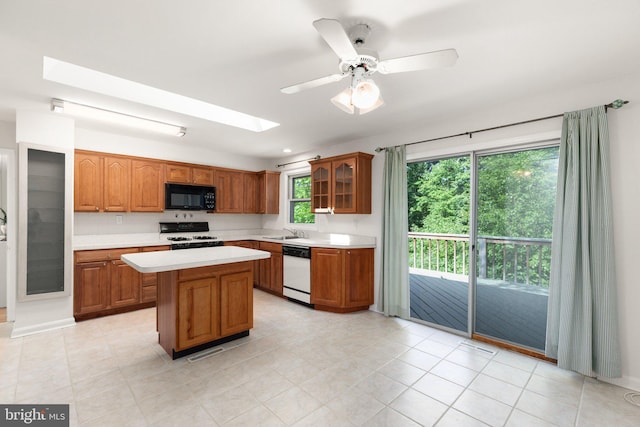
286 150
95 81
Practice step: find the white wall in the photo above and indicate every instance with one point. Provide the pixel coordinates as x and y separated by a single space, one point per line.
624 128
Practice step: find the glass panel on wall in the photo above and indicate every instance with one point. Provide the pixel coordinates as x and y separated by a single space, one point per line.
515 202
438 199
45 222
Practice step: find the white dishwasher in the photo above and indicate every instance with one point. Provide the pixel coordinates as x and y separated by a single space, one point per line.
296 262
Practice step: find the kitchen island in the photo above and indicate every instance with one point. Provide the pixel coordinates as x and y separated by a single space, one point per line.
205 295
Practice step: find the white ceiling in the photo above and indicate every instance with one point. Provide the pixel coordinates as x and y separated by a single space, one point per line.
238 54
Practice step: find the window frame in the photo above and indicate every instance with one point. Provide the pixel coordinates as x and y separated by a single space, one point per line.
290 200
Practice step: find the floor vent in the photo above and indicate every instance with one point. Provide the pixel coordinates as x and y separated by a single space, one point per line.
205 354
475 347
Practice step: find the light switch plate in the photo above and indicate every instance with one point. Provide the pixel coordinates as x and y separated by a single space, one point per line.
118 219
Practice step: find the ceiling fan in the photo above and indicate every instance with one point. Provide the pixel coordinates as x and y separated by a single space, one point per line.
359 63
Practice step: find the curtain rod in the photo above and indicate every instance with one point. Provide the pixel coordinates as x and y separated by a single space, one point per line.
618 103
298 161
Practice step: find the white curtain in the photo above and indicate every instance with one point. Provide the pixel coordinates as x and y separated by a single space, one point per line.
582 331
394 286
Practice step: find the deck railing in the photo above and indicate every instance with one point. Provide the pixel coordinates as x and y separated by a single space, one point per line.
512 259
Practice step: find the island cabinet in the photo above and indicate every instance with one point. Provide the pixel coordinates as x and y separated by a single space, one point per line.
104 285
101 183
204 306
341 184
271 268
341 279
251 244
180 173
149 281
147 186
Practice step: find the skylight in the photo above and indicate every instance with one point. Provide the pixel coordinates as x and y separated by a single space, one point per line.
95 81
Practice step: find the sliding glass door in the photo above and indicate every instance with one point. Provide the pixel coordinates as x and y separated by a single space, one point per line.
512 210
515 202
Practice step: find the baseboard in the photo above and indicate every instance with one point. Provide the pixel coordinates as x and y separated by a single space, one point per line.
42 327
632 383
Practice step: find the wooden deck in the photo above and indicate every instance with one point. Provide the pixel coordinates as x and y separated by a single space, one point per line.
503 312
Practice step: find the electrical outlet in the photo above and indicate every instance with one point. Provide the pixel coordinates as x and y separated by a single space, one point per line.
118 219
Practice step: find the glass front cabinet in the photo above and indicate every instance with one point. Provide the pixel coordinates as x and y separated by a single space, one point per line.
342 184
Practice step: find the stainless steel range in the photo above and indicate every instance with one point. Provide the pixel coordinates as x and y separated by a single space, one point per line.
187 235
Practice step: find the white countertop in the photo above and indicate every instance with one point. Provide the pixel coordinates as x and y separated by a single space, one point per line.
324 240
155 262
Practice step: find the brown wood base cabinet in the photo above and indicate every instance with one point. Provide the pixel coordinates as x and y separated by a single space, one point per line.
201 307
103 284
271 268
341 279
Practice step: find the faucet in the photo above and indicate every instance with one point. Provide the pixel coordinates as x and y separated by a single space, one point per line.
293 231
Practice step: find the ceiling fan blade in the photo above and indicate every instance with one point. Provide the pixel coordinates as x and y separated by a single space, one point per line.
333 33
422 61
313 83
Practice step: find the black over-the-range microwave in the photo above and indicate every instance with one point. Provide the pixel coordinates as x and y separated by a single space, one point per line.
189 197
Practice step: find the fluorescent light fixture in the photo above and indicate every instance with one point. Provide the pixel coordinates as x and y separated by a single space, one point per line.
95 81
286 150
95 113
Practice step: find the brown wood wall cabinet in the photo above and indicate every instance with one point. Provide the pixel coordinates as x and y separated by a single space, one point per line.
116 183
147 186
229 190
268 192
198 306
103 284
341 279
342 184
250 193
271 268
180 173
102 183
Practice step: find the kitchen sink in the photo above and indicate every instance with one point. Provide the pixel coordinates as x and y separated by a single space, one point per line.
280 237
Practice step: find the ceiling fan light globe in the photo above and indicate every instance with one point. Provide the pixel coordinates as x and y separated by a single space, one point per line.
343 101
365 94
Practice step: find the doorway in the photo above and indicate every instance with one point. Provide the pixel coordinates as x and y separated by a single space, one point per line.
480 243
8 234
439 202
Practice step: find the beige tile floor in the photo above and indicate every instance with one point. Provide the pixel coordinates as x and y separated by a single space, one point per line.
298 367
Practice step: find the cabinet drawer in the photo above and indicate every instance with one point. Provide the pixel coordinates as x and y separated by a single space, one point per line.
196 273
271 247
103 254
148 293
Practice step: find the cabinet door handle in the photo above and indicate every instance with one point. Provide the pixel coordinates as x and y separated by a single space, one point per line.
104 264
97 208
106 209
